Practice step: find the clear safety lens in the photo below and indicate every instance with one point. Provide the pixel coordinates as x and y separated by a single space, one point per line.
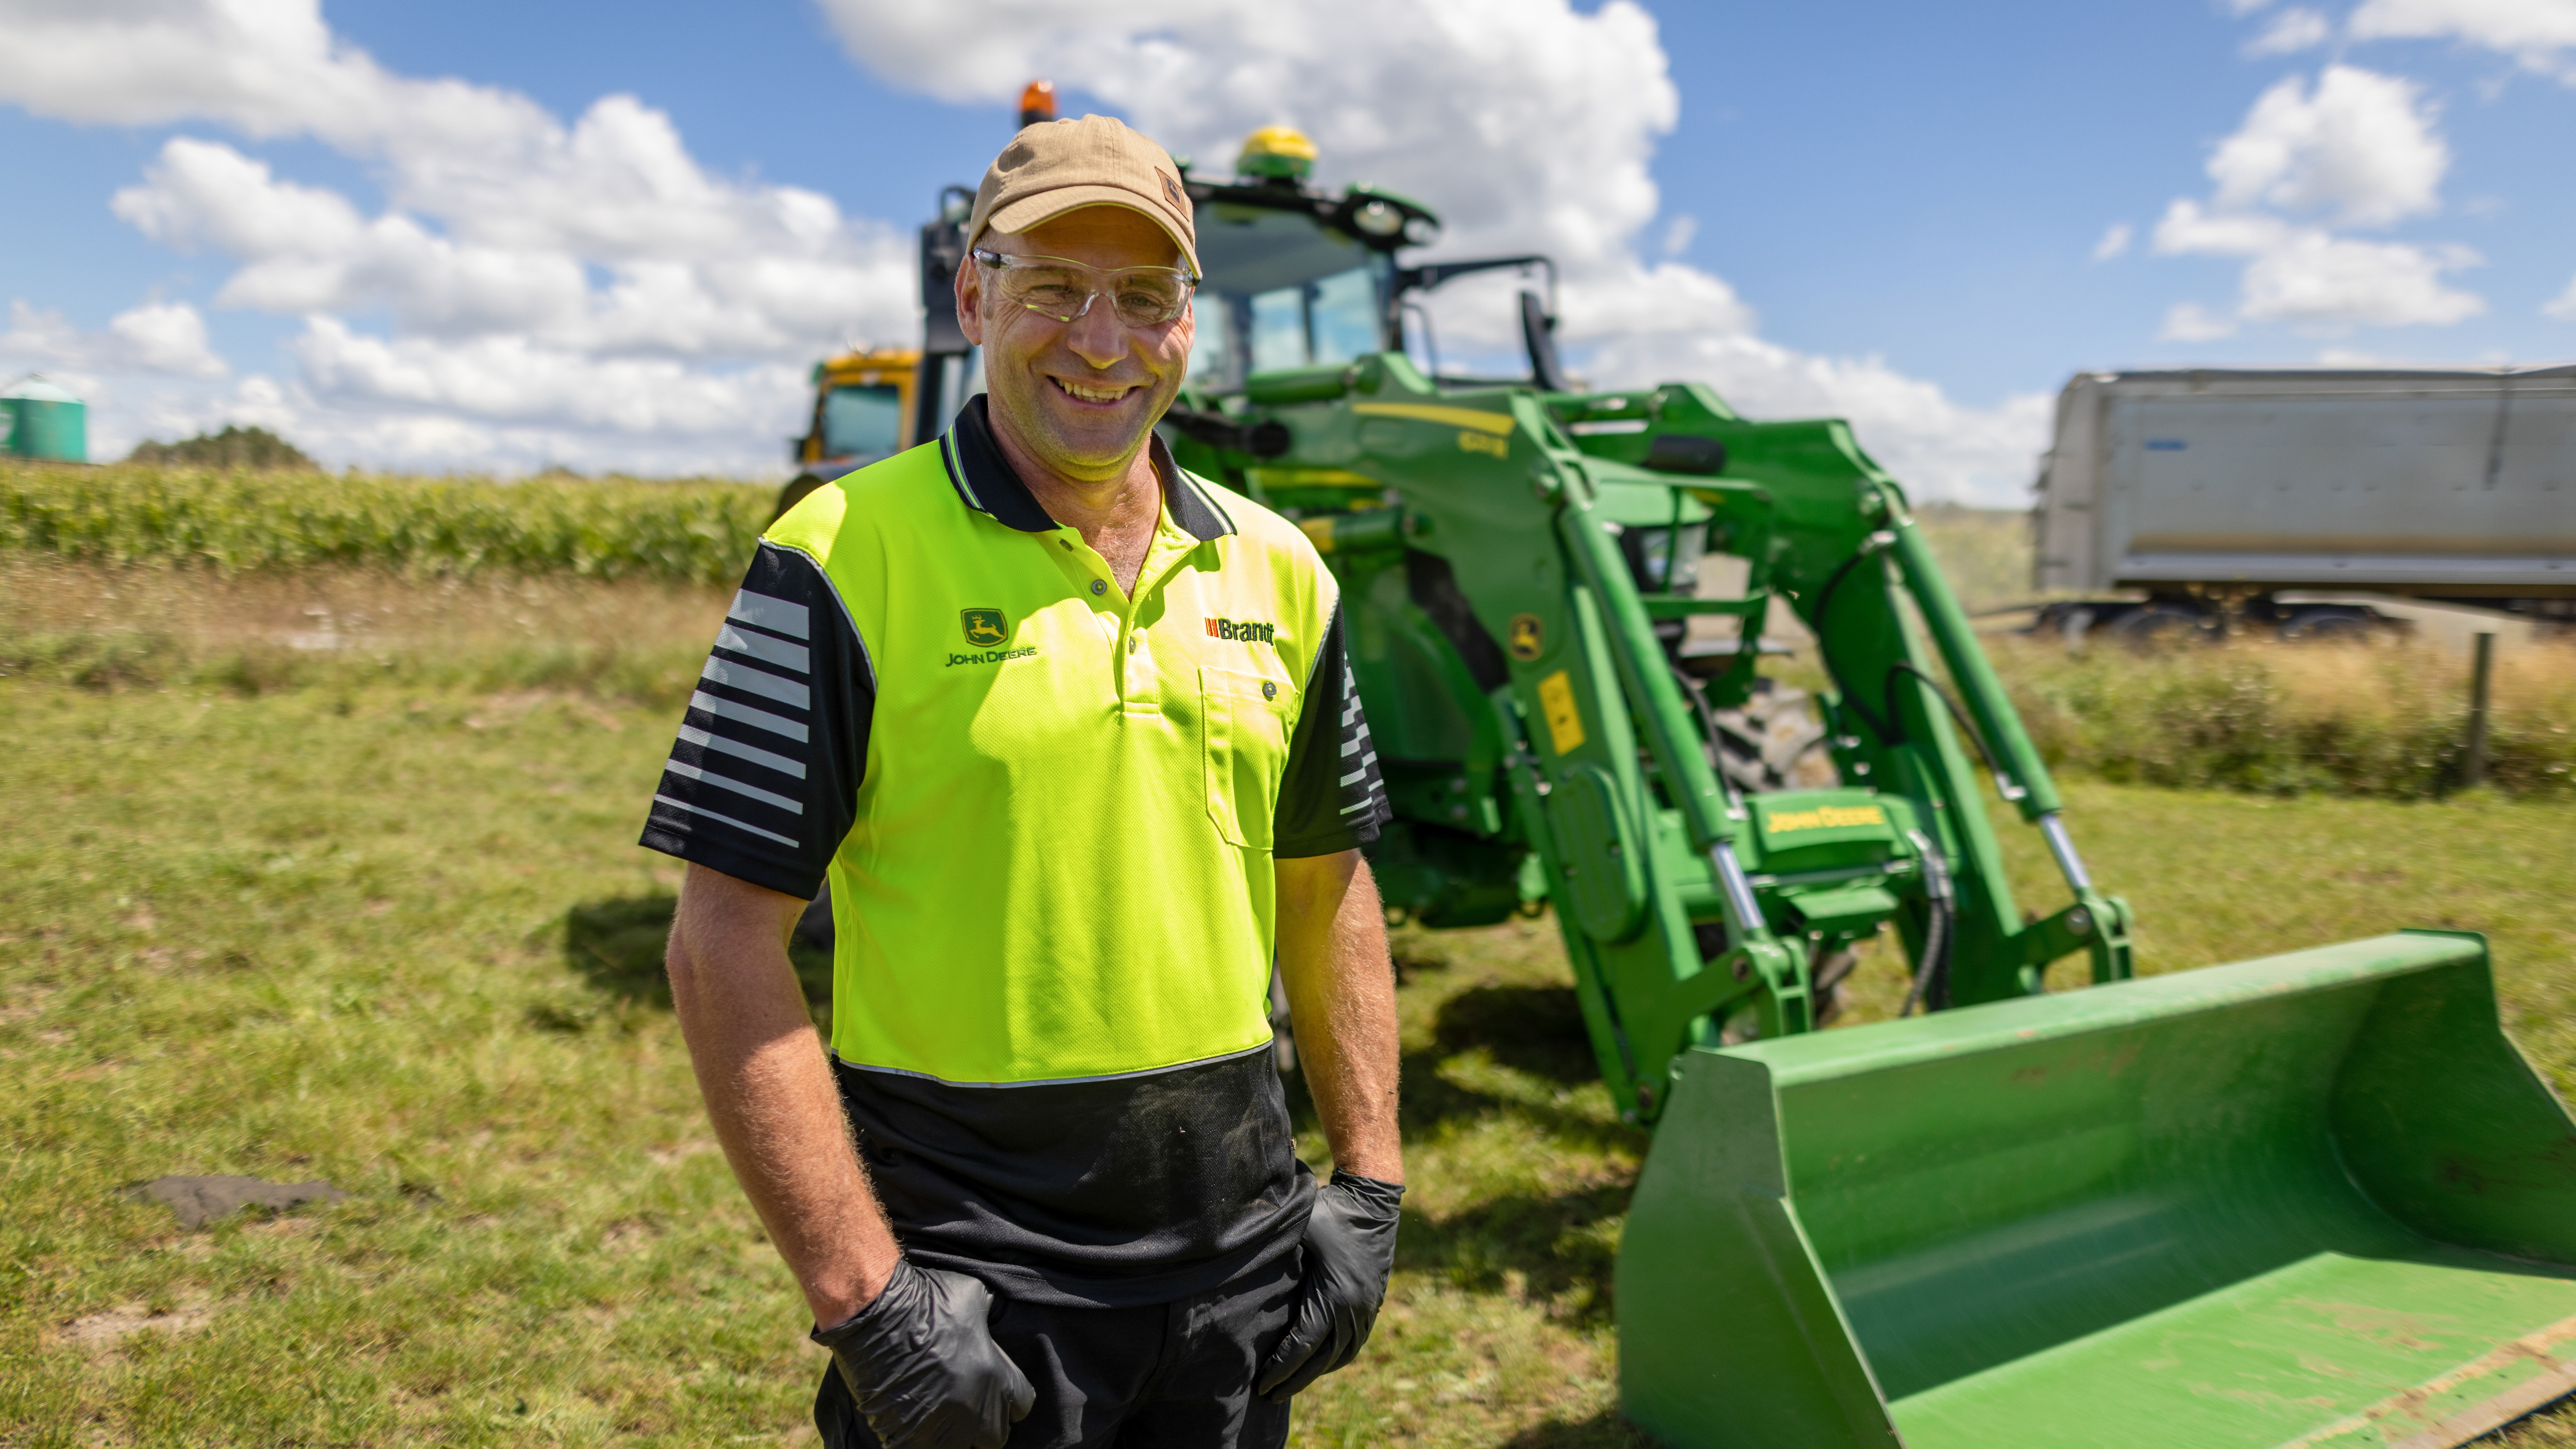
1063 290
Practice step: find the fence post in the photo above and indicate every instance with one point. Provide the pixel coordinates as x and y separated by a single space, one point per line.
2473 770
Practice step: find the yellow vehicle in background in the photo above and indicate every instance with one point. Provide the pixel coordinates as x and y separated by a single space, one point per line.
863 411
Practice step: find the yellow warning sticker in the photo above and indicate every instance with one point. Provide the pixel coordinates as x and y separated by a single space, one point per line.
1476 418
1564 720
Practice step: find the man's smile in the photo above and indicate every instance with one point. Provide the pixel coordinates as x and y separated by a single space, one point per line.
1097 394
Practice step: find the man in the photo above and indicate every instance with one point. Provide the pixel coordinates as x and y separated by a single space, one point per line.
1073 735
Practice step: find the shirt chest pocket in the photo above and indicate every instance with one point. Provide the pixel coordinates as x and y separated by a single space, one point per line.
1244 722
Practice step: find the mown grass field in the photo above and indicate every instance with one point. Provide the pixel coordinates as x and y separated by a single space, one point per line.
352 895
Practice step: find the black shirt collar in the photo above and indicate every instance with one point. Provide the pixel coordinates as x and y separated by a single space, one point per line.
986 482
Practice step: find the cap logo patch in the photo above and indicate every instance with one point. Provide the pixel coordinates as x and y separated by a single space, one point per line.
1172 189
985 627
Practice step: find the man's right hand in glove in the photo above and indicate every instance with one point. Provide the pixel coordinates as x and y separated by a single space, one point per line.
923 1366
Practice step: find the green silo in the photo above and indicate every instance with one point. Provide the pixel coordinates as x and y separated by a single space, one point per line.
43 421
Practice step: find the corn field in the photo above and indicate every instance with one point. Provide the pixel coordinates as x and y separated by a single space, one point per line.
238 522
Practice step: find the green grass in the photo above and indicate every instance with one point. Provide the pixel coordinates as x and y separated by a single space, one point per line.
387 927
2384 719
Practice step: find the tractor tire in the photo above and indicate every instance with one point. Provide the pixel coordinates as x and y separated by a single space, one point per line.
1831 975
1774 742
1826 983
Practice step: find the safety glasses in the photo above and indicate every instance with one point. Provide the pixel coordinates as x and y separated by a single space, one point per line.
1061 290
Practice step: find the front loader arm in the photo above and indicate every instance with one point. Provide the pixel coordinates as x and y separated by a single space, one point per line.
1514 639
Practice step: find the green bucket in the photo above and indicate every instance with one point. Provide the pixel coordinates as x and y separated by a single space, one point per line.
2312 1201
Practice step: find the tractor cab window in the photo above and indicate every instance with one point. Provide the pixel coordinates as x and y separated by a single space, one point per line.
1342 316
862 421
1282 291
1333 319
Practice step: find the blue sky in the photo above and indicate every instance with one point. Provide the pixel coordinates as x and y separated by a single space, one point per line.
1895 212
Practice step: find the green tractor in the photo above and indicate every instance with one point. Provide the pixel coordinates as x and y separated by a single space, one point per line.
2314 1199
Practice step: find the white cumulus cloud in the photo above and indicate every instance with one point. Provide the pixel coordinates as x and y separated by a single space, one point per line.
1530 125
164 338
2359 150
2540 34
2114 242
2291 31
533 287
2356 151
563 261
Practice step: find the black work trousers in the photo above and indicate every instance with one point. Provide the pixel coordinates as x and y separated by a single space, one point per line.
1163 1376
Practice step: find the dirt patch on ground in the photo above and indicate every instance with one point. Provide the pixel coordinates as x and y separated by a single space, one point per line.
198 1201
102 1332
679 1152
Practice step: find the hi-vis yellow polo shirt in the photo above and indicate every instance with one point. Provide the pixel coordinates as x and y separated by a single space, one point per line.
1049 812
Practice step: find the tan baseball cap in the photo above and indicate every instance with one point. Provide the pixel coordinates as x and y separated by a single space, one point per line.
1057 166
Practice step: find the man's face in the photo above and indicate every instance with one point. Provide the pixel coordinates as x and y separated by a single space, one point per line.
1081 395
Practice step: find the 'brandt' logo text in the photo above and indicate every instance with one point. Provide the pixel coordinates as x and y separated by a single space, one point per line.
1242 632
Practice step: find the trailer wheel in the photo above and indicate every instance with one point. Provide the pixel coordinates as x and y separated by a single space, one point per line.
2160 626
2330 625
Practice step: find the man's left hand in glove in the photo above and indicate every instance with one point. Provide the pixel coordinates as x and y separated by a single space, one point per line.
1349 1251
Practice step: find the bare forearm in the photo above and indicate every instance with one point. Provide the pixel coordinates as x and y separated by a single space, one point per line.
1341 996
770 1095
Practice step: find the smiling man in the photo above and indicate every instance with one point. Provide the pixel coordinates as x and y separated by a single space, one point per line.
1072 735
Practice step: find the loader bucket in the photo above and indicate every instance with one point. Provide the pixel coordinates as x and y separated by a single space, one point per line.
2312 1200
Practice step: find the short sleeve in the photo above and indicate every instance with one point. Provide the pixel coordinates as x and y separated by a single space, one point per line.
763 781
1331 798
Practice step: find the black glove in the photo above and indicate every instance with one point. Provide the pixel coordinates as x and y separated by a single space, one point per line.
1349 1249
923 1366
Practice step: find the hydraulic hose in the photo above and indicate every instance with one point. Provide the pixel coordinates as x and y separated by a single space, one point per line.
2004 783
1885 729
1931 988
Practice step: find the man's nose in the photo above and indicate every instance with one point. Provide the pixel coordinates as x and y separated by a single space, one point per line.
1097 336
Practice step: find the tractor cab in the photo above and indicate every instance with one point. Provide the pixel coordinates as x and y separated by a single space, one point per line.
1300 278
863 412
1295 278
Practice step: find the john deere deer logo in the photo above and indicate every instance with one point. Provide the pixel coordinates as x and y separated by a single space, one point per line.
1528 640
985 627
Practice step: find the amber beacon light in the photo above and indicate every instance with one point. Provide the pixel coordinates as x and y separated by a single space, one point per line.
1037 103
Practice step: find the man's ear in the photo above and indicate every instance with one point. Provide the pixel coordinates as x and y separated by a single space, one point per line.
970 301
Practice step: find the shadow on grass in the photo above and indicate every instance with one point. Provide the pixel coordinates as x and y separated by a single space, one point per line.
1605 1430
1552 1247
1533 1029
618 944
1560 1247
